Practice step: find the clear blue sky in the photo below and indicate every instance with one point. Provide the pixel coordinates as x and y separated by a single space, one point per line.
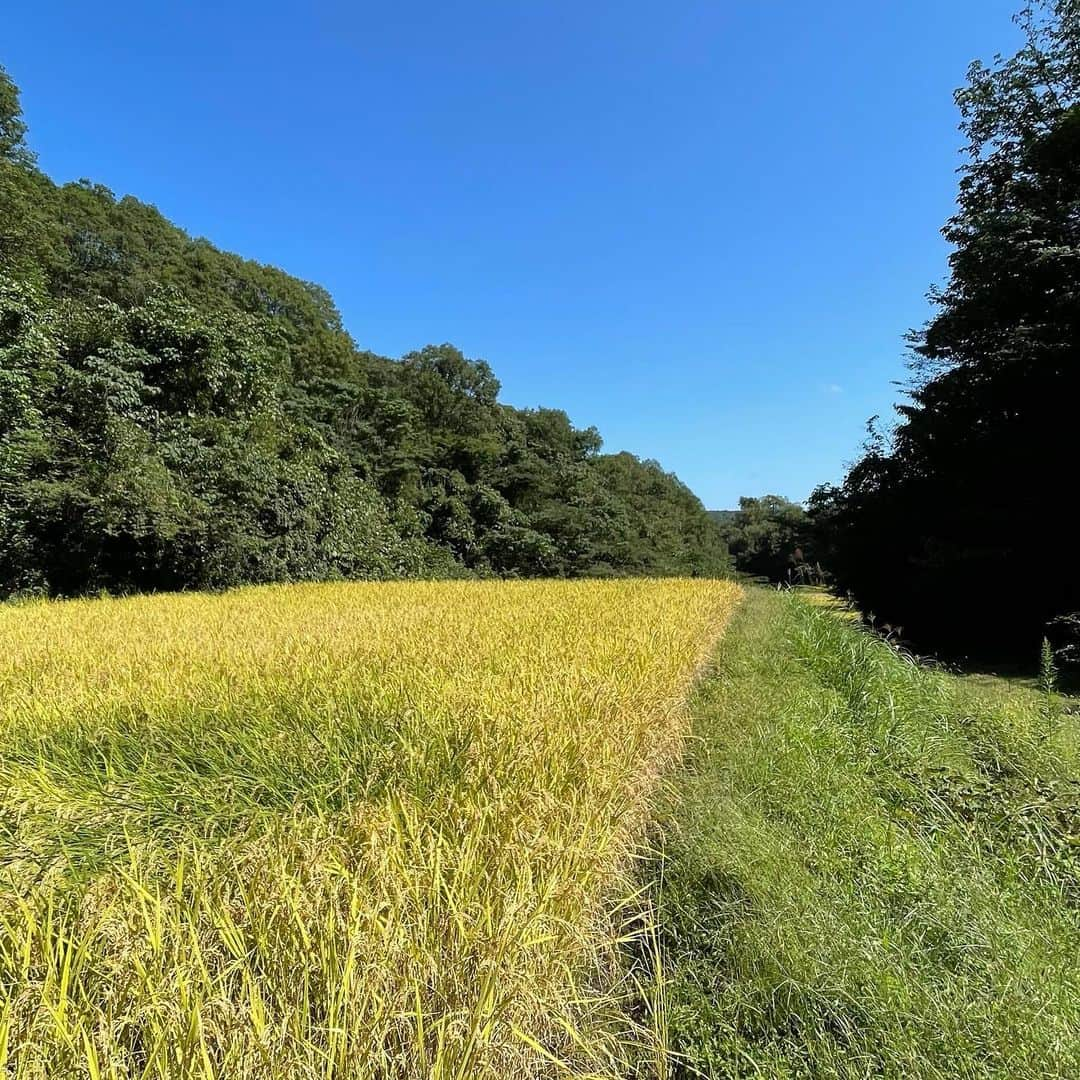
702 227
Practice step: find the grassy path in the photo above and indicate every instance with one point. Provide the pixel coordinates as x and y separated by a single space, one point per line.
869 869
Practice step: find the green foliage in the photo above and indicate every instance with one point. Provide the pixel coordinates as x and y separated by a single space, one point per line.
769 537
940 528
175 416
145 447
870 868
12 127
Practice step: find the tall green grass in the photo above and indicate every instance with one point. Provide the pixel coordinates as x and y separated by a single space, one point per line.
869 869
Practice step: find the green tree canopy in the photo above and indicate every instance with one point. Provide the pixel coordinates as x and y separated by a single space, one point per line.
174 416
769 537
952 527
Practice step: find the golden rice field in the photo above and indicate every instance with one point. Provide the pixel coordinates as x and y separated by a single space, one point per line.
334 831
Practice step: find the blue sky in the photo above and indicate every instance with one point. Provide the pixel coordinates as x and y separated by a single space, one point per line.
702 227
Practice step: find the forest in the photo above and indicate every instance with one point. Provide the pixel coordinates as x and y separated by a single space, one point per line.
950 529
952 525
173 416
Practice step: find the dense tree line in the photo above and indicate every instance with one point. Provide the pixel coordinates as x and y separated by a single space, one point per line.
175 416
954 526
771 537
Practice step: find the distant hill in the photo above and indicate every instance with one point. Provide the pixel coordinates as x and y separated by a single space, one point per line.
723 517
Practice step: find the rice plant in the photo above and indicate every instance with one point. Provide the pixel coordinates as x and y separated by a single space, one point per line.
348 830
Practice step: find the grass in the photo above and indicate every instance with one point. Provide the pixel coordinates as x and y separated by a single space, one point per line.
355 830
395 830
869 869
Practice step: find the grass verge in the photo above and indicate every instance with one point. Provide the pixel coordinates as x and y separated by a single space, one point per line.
869 869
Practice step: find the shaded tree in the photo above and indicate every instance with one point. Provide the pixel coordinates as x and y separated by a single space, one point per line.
769 537
952 528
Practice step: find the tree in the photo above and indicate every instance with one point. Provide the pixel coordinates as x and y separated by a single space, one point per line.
175 416
954 530
769 537
12 128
